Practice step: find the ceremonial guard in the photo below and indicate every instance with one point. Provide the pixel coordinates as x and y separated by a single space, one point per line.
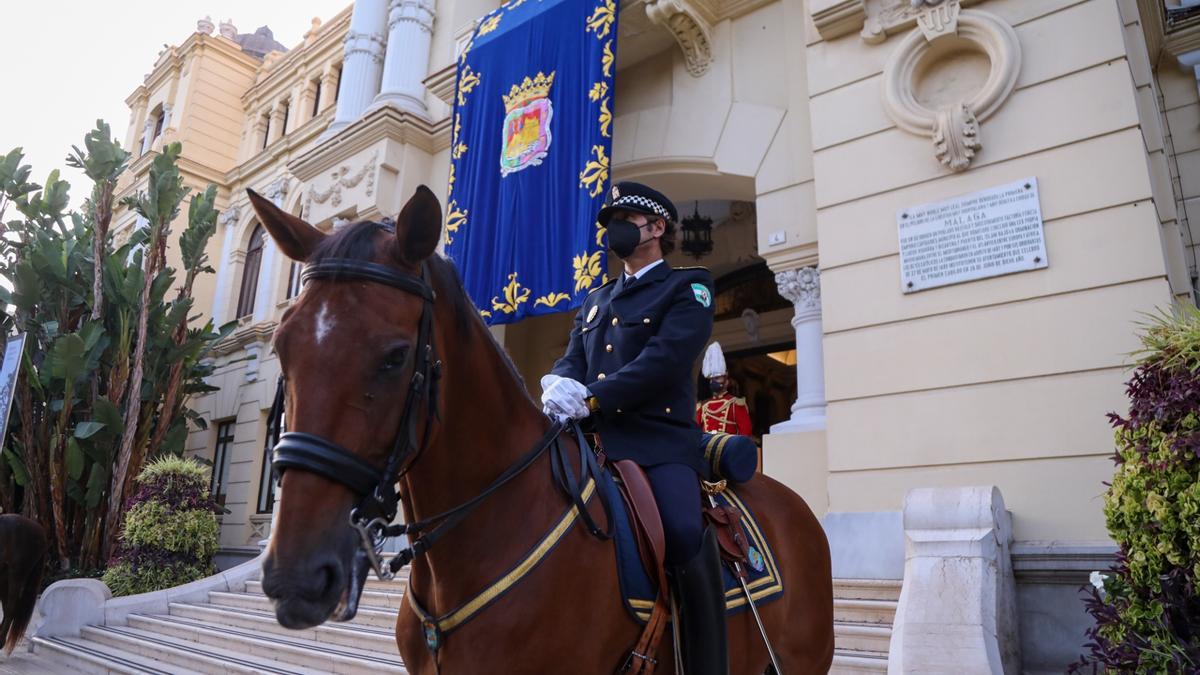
724 412
628 366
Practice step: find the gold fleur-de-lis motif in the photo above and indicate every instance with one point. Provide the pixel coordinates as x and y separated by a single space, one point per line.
455 219
514 296
485 314
606 61
605 119
512 4
490 24
598 91
551 299
587 269
450 183
595 173
459 151
602 19
467 81
600 232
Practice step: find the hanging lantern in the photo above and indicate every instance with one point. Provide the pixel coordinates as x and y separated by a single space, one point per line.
697 234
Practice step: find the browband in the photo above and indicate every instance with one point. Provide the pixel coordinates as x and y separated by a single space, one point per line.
340 268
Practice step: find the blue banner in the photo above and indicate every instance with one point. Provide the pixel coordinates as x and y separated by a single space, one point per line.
530 156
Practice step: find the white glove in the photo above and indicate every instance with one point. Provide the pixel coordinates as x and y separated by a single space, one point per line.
564 397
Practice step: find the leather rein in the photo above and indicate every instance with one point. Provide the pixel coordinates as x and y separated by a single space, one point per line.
372 517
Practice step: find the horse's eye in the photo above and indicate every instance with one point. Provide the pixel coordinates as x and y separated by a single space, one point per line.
395 359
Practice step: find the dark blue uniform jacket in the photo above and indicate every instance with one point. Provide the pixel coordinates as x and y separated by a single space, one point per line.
634 348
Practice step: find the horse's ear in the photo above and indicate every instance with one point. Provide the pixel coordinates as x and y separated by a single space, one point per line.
419 226
296 238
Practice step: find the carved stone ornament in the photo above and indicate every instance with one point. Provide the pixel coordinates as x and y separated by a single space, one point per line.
802 287
952 123
228 217
370 44
690 28
342 178
277 190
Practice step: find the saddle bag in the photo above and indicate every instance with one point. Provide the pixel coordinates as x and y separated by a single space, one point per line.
732 458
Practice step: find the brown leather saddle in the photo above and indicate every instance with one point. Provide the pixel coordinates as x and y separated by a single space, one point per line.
634 488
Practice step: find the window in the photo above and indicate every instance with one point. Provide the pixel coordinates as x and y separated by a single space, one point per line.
338 90
220 476
316 98
159 117
254 251
269 481
266 131
294 284
287 109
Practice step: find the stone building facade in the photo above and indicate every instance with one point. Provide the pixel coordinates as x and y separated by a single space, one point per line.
802 128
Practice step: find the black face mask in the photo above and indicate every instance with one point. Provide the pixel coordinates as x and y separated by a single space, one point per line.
624 237
716 386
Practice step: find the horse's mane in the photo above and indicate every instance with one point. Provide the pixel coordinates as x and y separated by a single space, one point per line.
357 242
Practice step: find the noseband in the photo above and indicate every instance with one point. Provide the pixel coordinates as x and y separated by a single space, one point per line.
375 485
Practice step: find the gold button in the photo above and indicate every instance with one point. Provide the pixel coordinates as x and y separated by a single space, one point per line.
608 348
601 376
646 320
668 411
614 321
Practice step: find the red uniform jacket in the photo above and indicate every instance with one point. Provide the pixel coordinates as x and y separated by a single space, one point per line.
724 414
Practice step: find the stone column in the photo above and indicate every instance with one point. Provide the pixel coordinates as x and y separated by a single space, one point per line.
147 135
410 31
803 288
264 306
227 220
329 85
277 121
363 62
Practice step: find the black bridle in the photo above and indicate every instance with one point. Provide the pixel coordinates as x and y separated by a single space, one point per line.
372 517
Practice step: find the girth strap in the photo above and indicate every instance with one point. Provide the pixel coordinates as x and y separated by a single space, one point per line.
298 450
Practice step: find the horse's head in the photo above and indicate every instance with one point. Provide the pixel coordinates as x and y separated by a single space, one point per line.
348 349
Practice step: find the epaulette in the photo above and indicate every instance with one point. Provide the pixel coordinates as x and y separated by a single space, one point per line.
693 267
610 282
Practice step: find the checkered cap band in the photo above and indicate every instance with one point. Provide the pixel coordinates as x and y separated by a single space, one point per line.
644 202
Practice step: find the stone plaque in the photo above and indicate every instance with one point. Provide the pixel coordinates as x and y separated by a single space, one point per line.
979 235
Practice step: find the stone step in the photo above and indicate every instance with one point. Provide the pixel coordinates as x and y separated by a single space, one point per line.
172 652
378 617
863 637
847 662
867 589
346 635
392 598
282 648
879 612
84 656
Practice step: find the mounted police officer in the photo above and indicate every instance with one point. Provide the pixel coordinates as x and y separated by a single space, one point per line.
628 365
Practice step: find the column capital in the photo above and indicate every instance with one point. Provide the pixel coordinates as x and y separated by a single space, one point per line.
802 287
419 12
369 44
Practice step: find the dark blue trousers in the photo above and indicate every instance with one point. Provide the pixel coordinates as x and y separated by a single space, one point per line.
676 488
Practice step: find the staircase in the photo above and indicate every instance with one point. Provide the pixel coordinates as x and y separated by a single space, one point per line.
237 633
863 611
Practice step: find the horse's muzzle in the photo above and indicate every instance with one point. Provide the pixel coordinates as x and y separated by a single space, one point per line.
304 598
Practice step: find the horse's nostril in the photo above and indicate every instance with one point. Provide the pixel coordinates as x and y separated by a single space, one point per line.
328 576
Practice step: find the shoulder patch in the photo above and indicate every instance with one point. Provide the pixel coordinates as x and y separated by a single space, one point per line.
702 295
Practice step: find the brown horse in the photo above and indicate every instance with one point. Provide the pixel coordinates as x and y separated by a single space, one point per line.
23 547
347 350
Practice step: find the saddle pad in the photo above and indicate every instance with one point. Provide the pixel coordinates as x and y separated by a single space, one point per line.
637 587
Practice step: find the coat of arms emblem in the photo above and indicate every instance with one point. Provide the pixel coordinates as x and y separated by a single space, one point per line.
527 124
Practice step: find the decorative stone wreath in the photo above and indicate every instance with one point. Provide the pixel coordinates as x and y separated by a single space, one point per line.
954 128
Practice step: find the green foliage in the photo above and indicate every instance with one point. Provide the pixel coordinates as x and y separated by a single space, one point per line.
1145 608
170 533
80 299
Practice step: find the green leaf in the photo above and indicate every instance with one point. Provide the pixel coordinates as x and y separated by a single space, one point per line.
67 358
109 417
20 473
96 485
75 459
87 429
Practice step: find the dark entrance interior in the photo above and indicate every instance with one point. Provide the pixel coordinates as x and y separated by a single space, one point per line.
766 377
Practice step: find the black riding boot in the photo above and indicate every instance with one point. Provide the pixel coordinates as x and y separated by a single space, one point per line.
700 594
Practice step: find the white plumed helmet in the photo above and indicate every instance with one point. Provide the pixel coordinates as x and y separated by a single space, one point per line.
714 361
